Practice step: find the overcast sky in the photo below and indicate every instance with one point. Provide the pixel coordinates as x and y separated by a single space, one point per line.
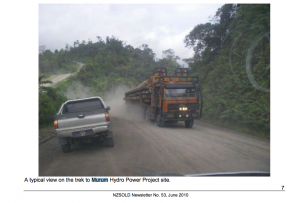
160 26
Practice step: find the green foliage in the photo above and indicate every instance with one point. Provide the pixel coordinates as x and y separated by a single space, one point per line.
56 62
112 63
49 103
169 61
232 60
41 81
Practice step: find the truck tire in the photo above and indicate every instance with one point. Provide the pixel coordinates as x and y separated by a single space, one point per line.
66 148
189 123
109 142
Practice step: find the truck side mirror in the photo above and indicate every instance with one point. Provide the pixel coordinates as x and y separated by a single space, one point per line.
108 108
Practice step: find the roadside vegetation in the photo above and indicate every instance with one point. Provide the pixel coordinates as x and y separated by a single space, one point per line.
49 102
231 58
55 63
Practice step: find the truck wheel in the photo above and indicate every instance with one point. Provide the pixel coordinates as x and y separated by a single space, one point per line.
189 123
109 142
66 148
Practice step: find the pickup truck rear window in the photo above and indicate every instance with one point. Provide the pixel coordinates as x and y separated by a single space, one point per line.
86 105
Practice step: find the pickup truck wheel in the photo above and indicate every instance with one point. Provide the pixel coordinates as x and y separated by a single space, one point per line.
66 148
189 123
109 142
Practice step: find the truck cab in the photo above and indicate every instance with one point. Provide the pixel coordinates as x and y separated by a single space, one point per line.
168 99
179 98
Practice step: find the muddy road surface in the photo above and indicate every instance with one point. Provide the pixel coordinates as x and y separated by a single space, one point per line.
142 148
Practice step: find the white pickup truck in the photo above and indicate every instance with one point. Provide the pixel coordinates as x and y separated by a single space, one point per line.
83 119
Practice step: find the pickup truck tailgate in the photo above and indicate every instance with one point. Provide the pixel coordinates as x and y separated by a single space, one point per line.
81 120
81 114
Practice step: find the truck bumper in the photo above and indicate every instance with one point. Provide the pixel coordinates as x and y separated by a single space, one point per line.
180 116
84 132
69 140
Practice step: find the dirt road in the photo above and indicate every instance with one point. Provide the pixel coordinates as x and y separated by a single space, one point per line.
143 148
58 78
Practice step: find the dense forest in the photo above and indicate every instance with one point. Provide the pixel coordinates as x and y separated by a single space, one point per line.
231 58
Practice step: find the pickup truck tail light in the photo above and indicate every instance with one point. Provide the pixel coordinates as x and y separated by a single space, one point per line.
107 117
55 124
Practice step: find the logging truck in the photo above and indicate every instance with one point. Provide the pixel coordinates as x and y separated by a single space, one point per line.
168 99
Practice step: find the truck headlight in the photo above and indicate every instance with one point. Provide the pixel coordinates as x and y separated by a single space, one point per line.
180 108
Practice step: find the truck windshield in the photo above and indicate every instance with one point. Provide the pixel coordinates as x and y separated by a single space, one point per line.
85 105
188 92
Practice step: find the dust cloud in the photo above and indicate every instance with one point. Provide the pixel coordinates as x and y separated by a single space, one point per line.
119 108
113 98
77 91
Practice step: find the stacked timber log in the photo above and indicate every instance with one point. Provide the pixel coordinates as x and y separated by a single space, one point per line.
141 92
